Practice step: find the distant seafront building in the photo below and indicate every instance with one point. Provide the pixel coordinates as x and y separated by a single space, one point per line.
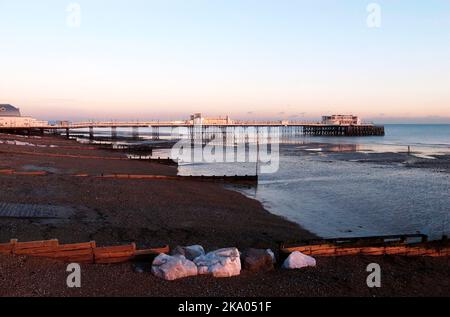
10 117
341 119
197 118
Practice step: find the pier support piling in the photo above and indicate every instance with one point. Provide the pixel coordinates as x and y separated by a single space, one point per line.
135 133
113 132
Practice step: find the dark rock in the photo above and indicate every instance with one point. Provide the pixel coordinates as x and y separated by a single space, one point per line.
257 260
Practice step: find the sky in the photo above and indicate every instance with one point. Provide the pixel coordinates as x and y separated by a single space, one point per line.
250 59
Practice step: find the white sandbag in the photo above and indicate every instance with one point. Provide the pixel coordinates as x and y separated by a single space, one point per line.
298 260
173 267
190 252
194 251
220 263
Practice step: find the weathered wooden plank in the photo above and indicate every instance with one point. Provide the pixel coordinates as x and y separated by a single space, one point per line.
86 252
81 252
347 251
397 249
36 173
35 244
308 248
6 248
107 255
372 251
120 248
77 246
321 247
328 251
114 254
35 251
66 253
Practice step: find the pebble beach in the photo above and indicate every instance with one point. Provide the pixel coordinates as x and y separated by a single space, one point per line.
153 213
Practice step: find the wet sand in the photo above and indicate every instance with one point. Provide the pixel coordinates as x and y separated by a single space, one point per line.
356 153
158 212
114 211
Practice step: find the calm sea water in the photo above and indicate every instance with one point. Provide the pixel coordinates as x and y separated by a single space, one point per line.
333 197
336 198
426 138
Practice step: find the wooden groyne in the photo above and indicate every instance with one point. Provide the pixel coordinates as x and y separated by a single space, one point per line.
13 172
87 252
138 149
91 157
243 179
140 157
159 160
377 245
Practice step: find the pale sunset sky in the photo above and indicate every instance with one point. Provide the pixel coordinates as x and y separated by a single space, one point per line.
278 59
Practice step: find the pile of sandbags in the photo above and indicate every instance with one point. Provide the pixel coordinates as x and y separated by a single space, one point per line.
192 260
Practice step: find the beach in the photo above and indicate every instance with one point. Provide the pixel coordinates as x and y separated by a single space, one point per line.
154 213
149 212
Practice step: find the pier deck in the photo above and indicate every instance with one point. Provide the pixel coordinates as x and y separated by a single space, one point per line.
290 128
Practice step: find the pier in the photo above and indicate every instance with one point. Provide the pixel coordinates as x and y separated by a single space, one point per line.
285 128
11 121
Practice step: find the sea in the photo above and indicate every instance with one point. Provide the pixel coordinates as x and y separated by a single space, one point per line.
329 187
